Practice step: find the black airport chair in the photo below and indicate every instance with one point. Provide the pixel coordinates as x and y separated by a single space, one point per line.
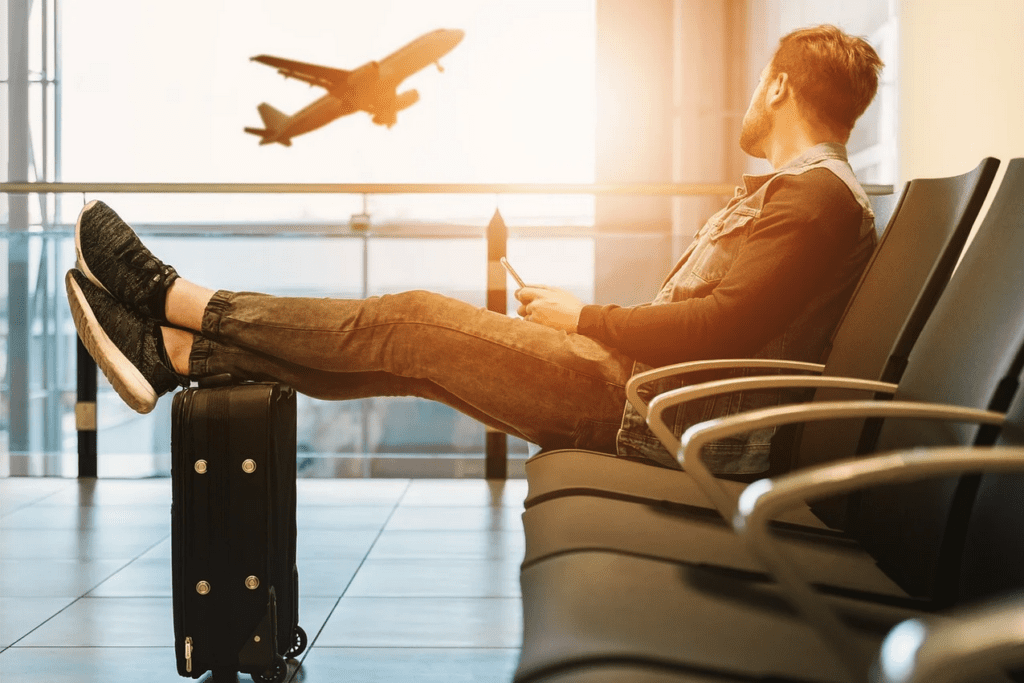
586 606
908 271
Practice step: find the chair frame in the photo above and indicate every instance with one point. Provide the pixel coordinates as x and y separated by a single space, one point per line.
764 499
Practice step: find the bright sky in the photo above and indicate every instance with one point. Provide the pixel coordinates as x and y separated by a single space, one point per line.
161 92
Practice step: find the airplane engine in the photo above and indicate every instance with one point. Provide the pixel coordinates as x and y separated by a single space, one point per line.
406 99
385 118
387 107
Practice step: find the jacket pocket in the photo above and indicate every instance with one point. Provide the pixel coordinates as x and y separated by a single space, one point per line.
723 243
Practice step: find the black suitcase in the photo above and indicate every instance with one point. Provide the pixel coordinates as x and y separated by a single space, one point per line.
235 583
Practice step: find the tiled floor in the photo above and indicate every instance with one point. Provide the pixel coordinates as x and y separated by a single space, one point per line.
401 580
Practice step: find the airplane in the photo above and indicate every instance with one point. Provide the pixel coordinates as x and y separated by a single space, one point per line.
372 88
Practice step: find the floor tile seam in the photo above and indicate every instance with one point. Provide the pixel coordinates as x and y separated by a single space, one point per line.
434 598
405 492
168 596
76 561
321 506
151 499
345 506
437 506
91 647
69 559
125 597
43 623
126 508
92 528
517 561
495 648
312 638
21 506
442 564
455 531
18 507
315 529
125 566
152 547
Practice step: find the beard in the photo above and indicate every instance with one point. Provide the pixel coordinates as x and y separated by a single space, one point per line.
757 125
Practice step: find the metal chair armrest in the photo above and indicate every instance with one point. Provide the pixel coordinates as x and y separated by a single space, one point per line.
672 398
955 648
764 499
648 376
697 436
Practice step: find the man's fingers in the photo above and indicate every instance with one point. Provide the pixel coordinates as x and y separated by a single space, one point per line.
528 294
531 293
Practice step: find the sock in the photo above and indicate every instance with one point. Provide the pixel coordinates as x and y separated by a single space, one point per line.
165 360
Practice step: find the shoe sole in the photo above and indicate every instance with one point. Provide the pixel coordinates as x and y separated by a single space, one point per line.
82 265
122 374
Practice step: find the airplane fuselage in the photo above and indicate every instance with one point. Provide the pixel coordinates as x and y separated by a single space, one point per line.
422 52
314 115
372 88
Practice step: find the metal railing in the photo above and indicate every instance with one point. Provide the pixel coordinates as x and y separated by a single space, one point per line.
652 189
496 462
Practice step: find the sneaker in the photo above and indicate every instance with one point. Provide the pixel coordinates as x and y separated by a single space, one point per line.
112 256
126 346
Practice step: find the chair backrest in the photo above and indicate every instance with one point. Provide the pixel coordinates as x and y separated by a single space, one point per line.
968 353
991 560
897 292
884 206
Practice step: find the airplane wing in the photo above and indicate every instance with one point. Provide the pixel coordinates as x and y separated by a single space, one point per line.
323 76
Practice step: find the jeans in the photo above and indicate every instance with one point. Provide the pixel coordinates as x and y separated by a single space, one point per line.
550 388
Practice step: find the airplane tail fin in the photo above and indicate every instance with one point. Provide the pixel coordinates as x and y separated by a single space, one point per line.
272 120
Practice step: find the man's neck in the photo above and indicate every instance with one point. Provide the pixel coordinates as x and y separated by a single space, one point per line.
791 137
784 151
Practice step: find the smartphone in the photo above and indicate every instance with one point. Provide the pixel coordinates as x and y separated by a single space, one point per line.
512 272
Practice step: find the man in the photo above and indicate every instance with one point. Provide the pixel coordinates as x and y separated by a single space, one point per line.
767 276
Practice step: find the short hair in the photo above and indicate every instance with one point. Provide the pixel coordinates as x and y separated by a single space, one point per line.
833 74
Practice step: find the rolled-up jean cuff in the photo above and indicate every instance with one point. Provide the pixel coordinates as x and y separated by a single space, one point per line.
218 304
199 358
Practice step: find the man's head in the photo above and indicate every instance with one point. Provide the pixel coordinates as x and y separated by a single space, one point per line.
831 76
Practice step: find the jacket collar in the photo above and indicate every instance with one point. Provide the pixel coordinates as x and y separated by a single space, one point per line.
810 157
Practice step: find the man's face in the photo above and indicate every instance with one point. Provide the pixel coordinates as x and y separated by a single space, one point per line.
757 121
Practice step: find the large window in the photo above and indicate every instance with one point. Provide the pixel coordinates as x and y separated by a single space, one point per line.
128 92
154 92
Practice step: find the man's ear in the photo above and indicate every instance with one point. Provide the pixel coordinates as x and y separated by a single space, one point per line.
778 89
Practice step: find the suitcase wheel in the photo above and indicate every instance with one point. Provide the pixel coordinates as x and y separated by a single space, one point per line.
299 646
275 674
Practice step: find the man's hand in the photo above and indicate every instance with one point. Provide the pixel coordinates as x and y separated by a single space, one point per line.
549 306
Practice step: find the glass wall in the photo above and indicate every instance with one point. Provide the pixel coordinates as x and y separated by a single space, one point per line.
373 437
128 92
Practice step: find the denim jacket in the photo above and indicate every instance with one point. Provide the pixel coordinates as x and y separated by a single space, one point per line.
712 249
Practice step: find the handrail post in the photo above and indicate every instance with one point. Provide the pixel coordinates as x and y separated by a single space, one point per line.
85 413
496 446
19 337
